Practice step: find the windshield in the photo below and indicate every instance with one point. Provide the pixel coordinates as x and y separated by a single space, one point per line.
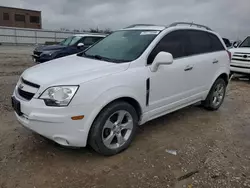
246 42
122 46
70 41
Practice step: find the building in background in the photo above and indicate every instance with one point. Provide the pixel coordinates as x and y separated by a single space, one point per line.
22 18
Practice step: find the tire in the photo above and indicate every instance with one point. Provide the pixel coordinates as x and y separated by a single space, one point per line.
108 135
210 103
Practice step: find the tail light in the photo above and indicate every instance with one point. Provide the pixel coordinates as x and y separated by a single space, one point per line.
229 55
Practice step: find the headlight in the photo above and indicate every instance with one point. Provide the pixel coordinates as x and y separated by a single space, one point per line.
48 53
58 95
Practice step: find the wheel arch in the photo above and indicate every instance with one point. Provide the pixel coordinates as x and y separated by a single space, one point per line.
225 77
222 75
126 98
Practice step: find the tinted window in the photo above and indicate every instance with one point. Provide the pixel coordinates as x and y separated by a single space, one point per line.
91 40
216 43
175 43
34 19
204 42
19 18
200 42
227 42
6 16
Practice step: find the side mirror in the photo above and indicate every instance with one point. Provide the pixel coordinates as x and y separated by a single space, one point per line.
79 45
235 44
162 58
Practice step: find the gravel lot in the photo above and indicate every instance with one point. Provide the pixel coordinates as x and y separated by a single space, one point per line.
213 148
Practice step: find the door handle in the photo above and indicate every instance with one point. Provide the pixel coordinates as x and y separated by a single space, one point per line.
215 61
188 68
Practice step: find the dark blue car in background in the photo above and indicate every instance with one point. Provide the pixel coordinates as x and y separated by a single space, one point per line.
69 46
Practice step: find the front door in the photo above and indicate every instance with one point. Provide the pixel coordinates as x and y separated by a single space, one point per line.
172 86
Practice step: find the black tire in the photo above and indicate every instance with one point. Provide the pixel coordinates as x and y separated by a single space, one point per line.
208 103
96 132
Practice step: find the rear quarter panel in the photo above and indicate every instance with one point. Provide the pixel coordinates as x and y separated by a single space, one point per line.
223 65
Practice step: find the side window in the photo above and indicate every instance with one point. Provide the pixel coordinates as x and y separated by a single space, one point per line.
19 17
91 40
175 43
6 16
216 43
200 42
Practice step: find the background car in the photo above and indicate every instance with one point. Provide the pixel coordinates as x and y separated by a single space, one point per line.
227 43
241 58
69 46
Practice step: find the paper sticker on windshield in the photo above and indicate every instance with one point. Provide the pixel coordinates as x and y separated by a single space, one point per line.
150 33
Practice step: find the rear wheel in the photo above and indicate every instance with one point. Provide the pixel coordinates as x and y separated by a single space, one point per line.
114 128
216 95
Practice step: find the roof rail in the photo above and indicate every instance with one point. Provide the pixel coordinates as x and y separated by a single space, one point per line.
136 25
189 23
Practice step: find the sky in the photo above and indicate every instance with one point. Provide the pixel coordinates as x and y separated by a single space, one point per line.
230 18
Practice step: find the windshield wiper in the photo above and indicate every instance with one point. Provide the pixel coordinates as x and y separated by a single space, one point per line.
98 57
101 58
94 56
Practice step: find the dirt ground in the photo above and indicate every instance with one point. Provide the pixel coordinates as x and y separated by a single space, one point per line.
213 148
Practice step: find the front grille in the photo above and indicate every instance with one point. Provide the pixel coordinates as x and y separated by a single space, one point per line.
239 59
238 66
26 95
30 83
237 56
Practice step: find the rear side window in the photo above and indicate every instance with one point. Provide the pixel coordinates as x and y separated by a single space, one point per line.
200 42
174 43
227 42
216 43
204 42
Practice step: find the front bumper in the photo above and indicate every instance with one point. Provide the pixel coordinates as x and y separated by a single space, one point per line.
239 67
55 123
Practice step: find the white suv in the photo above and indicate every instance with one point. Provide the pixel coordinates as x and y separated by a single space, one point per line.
134 75
241 58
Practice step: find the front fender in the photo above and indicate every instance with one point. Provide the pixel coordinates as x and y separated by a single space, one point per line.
111 95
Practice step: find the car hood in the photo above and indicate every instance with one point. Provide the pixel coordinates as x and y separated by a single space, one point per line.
240 50
49 47
71 70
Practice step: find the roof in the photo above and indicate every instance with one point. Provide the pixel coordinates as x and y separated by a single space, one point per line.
160 28
91 34
149 27
20 9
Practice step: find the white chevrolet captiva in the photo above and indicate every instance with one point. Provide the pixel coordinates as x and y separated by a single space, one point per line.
100 96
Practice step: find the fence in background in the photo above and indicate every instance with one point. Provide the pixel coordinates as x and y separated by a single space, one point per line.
21 36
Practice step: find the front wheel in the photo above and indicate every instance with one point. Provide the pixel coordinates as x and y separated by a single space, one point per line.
216 95
114 128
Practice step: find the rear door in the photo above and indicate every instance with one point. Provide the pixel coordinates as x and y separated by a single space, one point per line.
220 58
203 60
